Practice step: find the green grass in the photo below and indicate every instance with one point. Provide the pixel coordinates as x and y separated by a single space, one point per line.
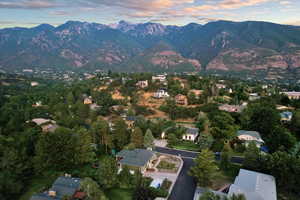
120 194
186 145
166 165
37 184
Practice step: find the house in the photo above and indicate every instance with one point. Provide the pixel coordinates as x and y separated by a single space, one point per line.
142 84
286 116
191 134
130 120
220 86
87 101
197 92
161 94
250 136
254 185
37 104
253 96
47 125
33 84
63 186
181 99
231 108
137 159
292 95
160 78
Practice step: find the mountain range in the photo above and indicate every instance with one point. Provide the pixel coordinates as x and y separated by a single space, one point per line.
216 46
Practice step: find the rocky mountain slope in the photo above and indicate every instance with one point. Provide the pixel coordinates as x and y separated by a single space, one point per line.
221 46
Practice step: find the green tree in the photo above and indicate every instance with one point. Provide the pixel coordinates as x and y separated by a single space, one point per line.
280 137
84 148
295 123
252 157
172 139
125 178
107 173
92 189
205 141
208 195
121 134
205 169
137 137
223 126
148 139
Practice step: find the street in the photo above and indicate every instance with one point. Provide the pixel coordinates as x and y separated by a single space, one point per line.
185 185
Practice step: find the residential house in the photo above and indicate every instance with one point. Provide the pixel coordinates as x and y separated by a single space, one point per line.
33 84
161 94
181 99
88 100
254 185
197 93
250 136
130 120
63 186
286 116
220 86
137 159
142 84
253 96
292 95
37 104
231 108
191 134
160 78
47 125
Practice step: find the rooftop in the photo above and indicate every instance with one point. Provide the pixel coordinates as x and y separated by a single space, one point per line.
192 131
254 185
251 133
136 157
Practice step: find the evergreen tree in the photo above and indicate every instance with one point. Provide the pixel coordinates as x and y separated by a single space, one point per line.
205 169
92 190
148 139
107 173
137 137
121 134
252 157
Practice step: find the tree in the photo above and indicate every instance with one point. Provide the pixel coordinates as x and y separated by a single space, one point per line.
252 157
84 147
208 195
236 197
148 139
121 135
205 169
295 123
107 173
205 141
125 178
223 126
101 134
92 189
137 137
172 139
280 137
225 157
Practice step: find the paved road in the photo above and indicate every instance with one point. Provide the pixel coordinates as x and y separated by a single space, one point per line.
185 185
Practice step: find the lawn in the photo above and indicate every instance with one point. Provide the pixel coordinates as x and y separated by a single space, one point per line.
186 145
166 165
120 194
37 184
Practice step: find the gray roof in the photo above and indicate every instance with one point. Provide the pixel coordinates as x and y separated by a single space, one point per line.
65 186
136 157
43 196
62 186
254 185
251 133
192 131
131 118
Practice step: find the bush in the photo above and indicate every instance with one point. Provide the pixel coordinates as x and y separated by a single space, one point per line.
159 192
166 165
166 184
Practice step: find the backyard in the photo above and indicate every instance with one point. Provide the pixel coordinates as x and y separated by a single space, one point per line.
120 194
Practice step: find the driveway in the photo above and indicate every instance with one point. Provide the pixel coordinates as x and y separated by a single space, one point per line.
185 186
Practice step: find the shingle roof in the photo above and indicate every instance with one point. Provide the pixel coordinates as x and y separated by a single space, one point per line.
192 131
65 186
43 196
131 118
136 157
254 185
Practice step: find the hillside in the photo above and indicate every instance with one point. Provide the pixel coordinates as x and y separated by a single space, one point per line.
220 45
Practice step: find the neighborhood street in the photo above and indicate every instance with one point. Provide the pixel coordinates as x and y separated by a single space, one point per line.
185 185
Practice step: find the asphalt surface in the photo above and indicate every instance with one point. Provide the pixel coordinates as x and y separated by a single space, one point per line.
185 185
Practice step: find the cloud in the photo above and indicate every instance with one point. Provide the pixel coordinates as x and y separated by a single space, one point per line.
28 4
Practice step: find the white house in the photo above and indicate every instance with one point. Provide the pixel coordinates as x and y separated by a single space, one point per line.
142 84
191 134
254 185
253 96
160 78
292 95
250 136
161 94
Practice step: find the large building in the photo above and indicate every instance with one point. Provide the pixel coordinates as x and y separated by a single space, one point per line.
254 185
292 95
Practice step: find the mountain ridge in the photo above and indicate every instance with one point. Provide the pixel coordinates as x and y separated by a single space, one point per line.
219 45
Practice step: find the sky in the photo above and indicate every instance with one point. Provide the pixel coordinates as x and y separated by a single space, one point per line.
29 13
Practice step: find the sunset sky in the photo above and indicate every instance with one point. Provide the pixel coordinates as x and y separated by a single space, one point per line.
28 13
